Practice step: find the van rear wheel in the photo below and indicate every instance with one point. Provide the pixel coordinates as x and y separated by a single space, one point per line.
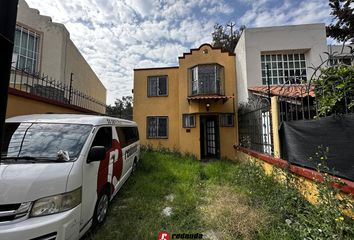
101 208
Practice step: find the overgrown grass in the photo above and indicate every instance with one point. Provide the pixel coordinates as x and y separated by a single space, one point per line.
221 199
137 210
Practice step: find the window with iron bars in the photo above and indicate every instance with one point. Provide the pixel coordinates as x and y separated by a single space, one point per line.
226 120
188 120
206 79
346 60
157 86
26 49
157 127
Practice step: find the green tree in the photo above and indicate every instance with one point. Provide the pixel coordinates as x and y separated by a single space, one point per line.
335 90
122 108
343 14
226 37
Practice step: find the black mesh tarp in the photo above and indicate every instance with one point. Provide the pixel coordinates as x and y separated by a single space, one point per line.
301 140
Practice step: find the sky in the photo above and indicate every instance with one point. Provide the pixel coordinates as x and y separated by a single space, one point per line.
116 36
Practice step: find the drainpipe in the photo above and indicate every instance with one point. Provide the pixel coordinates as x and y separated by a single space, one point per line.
8 13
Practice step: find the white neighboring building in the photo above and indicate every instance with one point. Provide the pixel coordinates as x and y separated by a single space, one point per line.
288 51
341 54
42 46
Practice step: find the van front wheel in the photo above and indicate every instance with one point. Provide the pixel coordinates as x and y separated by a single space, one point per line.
135 164
101 208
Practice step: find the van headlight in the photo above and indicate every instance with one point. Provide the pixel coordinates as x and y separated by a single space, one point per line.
56 204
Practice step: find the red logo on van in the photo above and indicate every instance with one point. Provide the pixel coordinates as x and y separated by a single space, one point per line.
110 169
164 236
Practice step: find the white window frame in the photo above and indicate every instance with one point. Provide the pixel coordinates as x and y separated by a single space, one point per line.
195 79
186 120
277 62
218 78
36 47
157 79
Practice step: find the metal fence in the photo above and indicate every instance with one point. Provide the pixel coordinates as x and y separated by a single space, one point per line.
46 87
319 114
298 99
255 128
324 94
296 102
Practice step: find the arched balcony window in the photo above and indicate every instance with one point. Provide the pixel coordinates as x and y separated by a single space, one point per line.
206 79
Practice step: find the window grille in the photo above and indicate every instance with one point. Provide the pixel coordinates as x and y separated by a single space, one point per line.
157 86
157 127
227 120
26 49
188 120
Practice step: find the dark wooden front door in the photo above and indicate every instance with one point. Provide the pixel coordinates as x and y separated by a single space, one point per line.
209 137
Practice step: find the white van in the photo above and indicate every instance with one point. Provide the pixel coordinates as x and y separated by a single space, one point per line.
58 173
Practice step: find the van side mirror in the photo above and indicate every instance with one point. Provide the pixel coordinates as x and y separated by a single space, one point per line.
97 153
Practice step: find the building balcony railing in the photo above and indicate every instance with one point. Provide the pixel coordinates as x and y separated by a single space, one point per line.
207 87
45 87
206 79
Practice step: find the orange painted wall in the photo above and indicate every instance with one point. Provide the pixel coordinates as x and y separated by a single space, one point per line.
145 106
176 103
19 105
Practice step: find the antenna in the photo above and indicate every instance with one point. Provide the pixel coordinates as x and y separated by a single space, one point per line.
231 25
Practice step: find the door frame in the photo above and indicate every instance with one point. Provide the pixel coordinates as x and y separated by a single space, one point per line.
203 139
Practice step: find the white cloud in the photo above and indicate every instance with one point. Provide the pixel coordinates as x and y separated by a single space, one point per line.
116 36
143 7
263 13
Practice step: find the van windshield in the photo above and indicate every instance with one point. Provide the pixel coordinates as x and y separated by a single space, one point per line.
44 141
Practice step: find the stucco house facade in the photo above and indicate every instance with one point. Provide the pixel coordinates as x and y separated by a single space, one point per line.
43 48
190 107
281 54
264 61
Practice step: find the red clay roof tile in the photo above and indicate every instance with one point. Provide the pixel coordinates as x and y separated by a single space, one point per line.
293 90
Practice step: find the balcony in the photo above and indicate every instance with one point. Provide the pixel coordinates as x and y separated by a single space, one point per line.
50 90
206 80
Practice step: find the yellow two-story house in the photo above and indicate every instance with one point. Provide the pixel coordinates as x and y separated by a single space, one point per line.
191 107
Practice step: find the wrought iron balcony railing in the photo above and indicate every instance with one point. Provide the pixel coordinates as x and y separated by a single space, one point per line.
46 87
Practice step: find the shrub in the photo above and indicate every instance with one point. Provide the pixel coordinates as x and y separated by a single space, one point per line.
335 90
